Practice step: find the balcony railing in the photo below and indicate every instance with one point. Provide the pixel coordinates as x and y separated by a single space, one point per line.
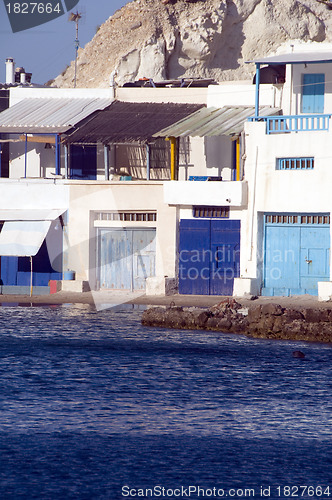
282 124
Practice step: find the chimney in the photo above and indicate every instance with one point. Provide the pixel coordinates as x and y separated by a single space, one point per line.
10 73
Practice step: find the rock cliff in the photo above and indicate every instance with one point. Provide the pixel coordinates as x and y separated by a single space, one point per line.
204 38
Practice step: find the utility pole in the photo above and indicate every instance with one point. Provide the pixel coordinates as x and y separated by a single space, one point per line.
75 17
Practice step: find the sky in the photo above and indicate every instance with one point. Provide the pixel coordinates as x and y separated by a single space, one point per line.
46 50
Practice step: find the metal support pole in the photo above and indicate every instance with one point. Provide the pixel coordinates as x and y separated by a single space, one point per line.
238 152
173 157
106 162
25 156
31 276
147 162
57 155
258 73
0 158
66 160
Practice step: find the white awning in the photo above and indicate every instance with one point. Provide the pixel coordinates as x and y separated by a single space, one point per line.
23 238
31 214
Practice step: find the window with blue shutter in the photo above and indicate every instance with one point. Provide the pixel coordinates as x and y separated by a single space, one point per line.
313 88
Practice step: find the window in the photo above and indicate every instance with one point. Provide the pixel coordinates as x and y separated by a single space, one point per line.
211 212
126 216
321 219
313 88
305 163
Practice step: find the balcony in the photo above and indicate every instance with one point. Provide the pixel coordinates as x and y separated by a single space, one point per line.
283 124
212 193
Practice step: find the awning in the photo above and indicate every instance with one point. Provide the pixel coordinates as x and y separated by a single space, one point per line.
24 231
129 122
296 58
208 122
49 115
23 238
30 214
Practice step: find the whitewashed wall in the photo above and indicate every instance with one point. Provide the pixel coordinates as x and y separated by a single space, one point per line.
89 196
272 190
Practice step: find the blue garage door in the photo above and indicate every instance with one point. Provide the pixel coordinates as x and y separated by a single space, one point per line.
126 258
209 256
297 253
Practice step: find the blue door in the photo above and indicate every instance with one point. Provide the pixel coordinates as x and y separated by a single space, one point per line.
314 257
126 258
313 88
296 254
209 256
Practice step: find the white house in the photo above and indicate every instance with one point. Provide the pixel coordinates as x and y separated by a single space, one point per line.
200 209
285 237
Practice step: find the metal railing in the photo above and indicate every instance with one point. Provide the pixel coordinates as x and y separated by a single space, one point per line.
282 124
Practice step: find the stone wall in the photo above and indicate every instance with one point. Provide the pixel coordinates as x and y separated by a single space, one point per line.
271 321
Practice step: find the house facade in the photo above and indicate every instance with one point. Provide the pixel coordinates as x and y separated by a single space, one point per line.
285 240
228 198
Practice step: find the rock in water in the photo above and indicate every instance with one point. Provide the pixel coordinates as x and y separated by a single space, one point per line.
298 354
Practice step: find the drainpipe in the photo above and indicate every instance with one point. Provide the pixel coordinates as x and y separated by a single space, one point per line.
258 72
106 162
147 162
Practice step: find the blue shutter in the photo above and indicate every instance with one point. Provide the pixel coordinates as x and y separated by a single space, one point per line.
313 88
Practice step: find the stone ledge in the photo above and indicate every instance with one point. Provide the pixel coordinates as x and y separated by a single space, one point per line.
270 321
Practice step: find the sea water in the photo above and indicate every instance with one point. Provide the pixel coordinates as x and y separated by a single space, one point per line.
95 406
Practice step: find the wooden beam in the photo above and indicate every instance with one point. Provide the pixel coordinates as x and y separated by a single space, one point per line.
39 138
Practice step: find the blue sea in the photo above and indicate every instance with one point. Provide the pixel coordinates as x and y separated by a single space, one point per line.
95 406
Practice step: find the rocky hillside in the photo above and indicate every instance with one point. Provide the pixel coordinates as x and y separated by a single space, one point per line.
168 39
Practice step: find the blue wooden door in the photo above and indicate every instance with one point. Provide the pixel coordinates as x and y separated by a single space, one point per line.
282 260
115 267
313 89
194 257
225 246
209 256
126 258
315 257
144 256
296 255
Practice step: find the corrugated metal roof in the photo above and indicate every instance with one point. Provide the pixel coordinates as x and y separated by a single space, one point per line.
228 120
51 115
296 58
129 122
